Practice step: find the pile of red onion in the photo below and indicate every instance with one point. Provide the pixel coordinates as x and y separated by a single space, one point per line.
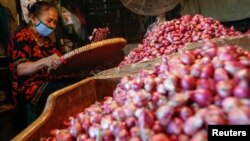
169 36
174 102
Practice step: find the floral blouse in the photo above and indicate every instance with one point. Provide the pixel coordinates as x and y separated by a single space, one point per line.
22 48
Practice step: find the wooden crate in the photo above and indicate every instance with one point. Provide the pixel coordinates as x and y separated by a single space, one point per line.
67 102
243 41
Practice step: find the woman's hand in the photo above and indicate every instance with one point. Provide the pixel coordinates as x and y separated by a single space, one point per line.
53 62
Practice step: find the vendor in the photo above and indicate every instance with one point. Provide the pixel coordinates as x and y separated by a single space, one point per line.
32 55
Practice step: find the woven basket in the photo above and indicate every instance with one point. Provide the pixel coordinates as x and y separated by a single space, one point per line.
150 7
89 56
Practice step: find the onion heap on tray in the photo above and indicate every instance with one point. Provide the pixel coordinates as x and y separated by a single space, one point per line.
169 36
174 102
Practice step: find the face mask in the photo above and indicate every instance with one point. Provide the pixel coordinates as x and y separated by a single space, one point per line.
43 29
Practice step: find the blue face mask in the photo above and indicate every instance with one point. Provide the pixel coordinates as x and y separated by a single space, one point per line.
43 29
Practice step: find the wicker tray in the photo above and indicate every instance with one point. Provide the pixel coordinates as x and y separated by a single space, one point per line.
87 57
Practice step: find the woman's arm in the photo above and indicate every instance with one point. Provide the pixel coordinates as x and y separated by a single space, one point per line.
26 68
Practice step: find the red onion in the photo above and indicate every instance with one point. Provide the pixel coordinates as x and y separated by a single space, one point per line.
157 128
210 52
186 112
164 114
135 132
192 125
200 136
82 137
123 135
177 100
179 69
233 67
171 82
196 70
141 98
86 123
108 107
130 122
115 127
207 84
129 109
96 118
183 137
94 131
135 139
242 75
242 90
75 129
207 71
238 117
188 82
149 84
146 119
227 55
175 126
159 137
187 58
230 103
146 134
63 135
106 135
217 63
106 121
225 88
161 89
220 74
215 116
203 97
244 61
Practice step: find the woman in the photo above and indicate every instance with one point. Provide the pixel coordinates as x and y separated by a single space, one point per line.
32 55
